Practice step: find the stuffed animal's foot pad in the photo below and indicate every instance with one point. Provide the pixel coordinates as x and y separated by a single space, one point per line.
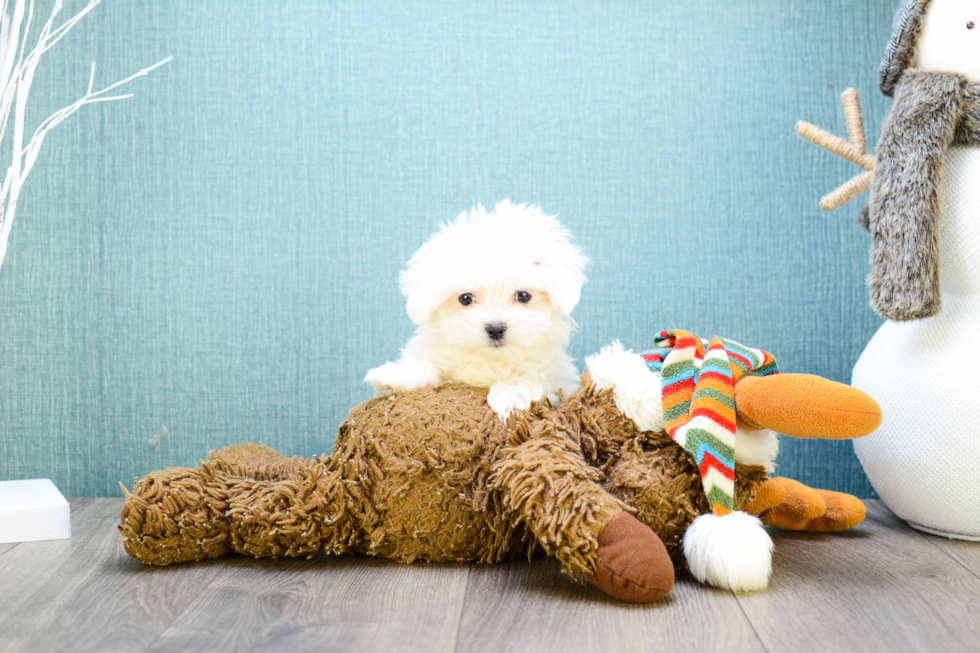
733 551
843 512
632 563
800 505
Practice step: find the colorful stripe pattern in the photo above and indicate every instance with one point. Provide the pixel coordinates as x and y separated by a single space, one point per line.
697 384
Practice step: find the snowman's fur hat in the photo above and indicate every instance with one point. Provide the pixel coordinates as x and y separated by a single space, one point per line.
900 52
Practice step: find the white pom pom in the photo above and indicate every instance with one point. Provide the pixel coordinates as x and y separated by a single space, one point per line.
732 552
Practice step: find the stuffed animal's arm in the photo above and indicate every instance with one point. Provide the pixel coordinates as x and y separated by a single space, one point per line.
543 480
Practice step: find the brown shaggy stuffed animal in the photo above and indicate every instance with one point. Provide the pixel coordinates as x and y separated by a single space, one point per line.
433 475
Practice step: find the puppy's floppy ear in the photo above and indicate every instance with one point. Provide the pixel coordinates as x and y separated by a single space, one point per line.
558 264
419 308
565 294
423 299
426 279
563 278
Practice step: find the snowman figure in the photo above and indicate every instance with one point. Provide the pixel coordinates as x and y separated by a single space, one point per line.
923 365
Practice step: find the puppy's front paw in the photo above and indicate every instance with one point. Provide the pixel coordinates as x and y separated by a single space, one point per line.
398 378
505 399
382 379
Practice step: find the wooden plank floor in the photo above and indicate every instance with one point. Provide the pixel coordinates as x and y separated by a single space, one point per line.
879 587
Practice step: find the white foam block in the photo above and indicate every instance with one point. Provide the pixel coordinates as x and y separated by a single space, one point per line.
33 510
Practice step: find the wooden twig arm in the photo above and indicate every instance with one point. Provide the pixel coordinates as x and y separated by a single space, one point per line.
854 150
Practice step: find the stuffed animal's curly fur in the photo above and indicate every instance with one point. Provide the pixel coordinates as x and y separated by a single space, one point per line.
434 475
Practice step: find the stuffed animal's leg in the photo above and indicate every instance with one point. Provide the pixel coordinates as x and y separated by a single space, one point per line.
805 509
663 484
805 406
543 479
174 516
248 499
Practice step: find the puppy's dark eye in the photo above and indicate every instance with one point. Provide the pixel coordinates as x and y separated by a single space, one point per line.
970 25
466 299
523 296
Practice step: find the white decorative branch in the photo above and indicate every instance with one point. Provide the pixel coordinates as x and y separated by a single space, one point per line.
17 67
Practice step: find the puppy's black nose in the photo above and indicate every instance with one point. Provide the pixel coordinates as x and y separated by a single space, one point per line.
496 331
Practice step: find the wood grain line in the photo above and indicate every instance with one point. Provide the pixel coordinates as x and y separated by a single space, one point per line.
532 606
86 593
462 606
877 587
880 587
341 603
967 554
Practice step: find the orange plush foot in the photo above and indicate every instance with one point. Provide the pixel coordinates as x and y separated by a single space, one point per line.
816 511
843 511
798 509
805 406
769 495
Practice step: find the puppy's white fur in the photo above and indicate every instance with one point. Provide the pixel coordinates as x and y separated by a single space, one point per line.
491 257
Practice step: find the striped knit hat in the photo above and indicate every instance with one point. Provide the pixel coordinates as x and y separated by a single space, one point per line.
900 52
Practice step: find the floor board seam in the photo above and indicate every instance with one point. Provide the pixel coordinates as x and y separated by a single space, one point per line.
15 545
903 527
190 605
38 588
462 608
931 539
755 631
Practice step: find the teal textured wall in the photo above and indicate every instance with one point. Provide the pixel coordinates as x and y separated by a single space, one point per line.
219 254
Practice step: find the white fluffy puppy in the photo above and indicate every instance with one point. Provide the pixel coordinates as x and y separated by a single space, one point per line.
492 295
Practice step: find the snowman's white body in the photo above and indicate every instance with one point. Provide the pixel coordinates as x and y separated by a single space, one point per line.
924 459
